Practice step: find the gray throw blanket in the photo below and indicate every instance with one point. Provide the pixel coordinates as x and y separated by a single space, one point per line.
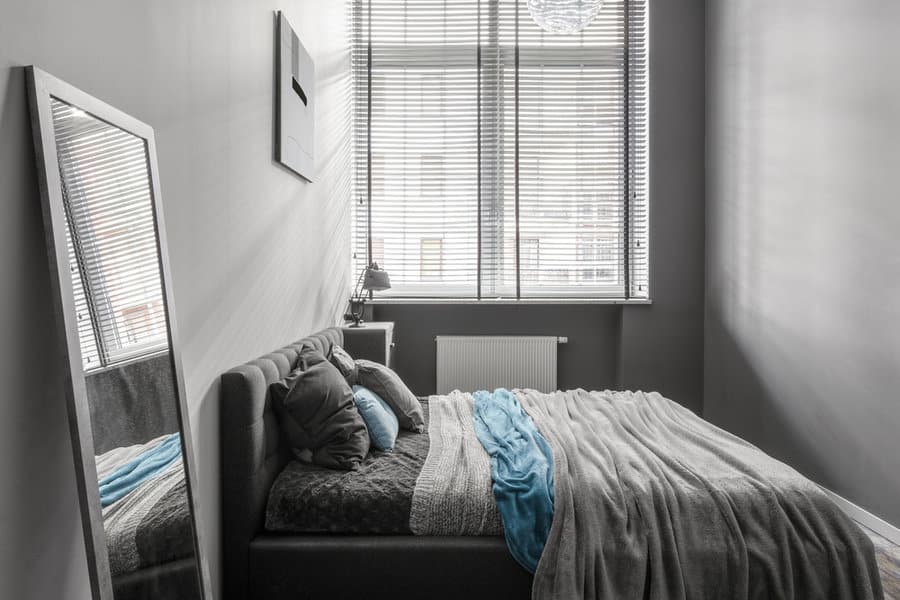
453 492
653 502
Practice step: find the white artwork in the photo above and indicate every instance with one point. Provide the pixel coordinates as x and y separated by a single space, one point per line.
295 110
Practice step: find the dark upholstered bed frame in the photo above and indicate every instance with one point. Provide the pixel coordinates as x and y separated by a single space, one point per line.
262 565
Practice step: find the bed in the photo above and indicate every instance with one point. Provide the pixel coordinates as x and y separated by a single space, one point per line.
421 522
147 520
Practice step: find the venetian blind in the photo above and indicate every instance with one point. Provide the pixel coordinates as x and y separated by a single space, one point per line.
495 160
111 238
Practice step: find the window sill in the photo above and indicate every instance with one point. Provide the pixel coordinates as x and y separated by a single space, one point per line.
495 301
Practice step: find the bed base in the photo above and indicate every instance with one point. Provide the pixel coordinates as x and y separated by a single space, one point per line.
348 567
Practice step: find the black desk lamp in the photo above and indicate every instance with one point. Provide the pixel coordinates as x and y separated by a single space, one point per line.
372 279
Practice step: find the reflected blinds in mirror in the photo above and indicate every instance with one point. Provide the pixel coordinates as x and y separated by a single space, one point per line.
111 237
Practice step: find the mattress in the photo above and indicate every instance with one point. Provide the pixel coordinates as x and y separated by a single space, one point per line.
374 499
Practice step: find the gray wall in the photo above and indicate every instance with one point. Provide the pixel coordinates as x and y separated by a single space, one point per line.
259 258
803 215
133 403
658 347
589 359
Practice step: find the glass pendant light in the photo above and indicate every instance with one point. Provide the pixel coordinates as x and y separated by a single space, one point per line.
564 16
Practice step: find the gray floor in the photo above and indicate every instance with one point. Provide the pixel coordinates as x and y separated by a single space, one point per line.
888 555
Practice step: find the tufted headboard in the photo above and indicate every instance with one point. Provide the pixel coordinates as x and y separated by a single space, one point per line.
252 451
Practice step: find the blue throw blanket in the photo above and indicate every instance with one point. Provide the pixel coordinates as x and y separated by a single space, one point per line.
139 469
522 470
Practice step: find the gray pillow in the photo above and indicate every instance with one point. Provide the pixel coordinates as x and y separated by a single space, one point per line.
344 363
388 385
316 412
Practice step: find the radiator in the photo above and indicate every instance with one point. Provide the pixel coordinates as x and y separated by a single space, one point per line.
470 363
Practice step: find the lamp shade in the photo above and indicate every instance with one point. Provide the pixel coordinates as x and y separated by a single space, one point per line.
564 16
376 280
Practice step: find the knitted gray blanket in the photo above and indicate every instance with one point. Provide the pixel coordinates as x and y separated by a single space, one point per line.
453 493
653 502
151 525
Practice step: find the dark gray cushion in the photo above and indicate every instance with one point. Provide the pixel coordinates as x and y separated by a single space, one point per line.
309 356
316 412
388 385
344 363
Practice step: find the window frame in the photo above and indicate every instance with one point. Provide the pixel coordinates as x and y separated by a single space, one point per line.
440 57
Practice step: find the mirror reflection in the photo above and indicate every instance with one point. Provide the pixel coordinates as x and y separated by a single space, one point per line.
123 333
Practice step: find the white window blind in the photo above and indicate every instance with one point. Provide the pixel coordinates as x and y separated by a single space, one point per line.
520 155
111 237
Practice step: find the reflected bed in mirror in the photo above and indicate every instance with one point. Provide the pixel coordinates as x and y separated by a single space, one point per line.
109 267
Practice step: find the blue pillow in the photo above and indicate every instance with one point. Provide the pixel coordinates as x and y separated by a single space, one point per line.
380 419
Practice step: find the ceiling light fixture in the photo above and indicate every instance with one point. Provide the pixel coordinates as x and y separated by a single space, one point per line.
564 16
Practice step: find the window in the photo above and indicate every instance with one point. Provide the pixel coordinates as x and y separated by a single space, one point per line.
431 259
495 160
378 252
530 258
111 240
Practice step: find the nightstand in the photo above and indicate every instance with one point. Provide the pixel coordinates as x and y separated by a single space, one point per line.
371 341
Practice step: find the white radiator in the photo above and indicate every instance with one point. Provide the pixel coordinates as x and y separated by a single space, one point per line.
470 363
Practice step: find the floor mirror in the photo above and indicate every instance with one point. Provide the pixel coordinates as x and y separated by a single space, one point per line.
103 220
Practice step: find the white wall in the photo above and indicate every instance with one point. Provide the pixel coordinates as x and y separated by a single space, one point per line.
259 258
